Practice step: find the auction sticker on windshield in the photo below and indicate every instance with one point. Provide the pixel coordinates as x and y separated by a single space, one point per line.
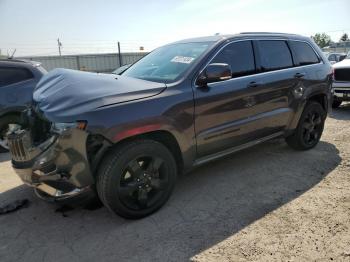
182 59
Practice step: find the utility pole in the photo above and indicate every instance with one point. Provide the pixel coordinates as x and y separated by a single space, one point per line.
119 55
59 46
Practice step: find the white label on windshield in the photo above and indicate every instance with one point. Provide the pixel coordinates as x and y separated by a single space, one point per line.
182 59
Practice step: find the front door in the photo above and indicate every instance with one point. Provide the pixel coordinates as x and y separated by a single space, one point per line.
222 109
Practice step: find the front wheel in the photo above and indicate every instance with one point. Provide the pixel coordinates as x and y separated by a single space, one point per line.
137 178
309 129
4 125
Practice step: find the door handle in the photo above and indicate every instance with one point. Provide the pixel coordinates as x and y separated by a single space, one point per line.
299 75
253 84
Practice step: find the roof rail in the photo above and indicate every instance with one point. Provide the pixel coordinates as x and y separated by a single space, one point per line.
266 33
12 60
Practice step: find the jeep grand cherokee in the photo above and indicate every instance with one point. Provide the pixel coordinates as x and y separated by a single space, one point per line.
127 137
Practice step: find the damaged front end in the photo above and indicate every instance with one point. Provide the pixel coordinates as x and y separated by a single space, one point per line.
55 152
51 157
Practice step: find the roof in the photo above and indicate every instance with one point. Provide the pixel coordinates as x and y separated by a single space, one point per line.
12 60
22 61
219 38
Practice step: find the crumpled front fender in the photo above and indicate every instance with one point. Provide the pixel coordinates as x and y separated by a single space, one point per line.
71 157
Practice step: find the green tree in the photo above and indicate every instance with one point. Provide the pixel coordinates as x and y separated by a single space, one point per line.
322 39
344 38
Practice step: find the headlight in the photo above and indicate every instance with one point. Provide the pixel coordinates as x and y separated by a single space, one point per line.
61 127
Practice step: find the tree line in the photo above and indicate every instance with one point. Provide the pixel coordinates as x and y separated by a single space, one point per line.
323 40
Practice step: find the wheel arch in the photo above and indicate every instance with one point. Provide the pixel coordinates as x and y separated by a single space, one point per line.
10 114
162 136
319 97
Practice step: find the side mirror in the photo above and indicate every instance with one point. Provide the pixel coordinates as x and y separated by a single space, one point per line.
214 73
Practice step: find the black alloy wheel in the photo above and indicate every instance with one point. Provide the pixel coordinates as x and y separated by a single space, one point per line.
310 127
142 182
136 178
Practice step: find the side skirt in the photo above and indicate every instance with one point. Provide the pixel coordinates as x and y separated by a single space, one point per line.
229 151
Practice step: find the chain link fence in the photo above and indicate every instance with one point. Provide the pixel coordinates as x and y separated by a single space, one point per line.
92 62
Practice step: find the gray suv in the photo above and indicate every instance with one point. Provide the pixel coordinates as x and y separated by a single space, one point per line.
127 137
17 81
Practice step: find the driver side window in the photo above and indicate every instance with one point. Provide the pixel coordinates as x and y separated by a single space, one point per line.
239 56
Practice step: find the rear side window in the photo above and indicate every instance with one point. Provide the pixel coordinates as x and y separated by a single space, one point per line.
274 55
304 53
239 56
12 75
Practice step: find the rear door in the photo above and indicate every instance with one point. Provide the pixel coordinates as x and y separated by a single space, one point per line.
307 59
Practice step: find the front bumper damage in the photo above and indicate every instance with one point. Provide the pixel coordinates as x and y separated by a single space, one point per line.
57 168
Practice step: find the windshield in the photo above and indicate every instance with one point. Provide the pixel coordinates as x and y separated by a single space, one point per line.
168 63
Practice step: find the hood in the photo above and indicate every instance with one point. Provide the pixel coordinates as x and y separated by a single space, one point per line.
343 64
66 93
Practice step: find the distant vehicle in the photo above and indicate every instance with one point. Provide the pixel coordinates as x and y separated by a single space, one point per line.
341 82
193 101
121 69
335 57
17 81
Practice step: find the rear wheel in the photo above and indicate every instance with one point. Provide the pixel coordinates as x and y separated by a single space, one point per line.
336 103
136 179
4 125
309 129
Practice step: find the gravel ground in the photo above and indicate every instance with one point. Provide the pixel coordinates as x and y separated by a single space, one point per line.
267 203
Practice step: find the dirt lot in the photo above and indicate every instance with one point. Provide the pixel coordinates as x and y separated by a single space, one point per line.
267 203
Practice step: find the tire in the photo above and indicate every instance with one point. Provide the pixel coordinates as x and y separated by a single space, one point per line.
136 178
336 103
4 122
309 129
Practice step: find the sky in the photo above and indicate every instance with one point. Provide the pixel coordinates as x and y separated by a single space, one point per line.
95 26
